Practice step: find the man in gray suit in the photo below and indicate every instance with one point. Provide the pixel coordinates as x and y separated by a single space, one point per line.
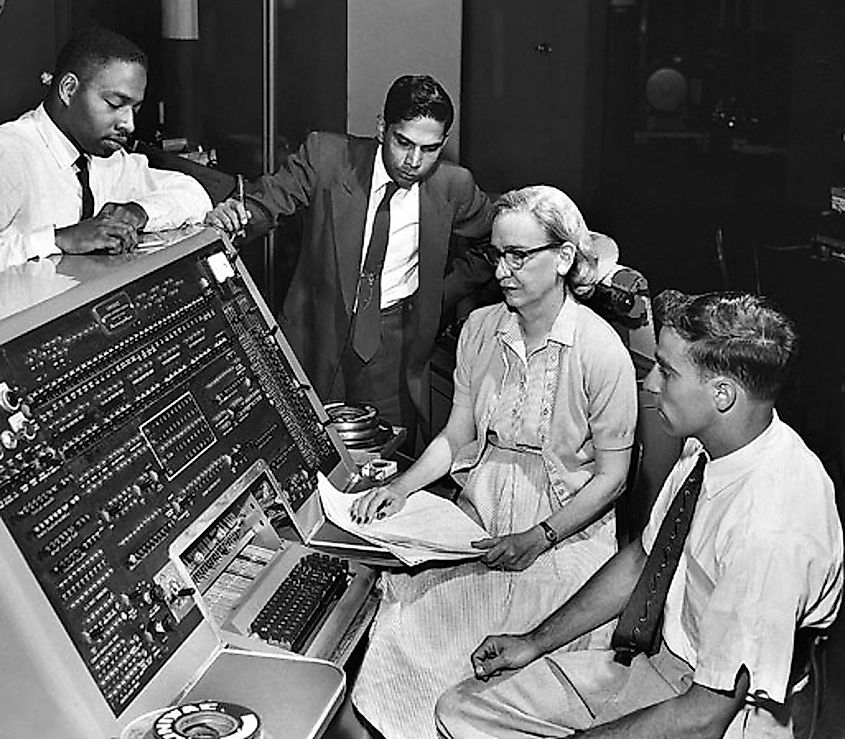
339 182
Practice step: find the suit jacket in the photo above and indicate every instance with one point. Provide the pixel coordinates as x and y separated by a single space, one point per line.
329 179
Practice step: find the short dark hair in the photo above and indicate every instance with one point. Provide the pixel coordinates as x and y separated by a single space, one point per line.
92 50
736 334
418 96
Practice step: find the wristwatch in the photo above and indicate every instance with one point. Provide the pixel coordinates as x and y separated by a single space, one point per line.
549 532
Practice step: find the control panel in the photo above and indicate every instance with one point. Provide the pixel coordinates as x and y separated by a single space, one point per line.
126 414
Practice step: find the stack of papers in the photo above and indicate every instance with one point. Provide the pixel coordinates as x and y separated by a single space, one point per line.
427 528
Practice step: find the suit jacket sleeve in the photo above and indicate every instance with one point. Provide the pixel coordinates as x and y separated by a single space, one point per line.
473 220
285 191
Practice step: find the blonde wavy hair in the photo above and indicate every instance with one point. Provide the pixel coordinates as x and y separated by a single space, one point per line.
560 218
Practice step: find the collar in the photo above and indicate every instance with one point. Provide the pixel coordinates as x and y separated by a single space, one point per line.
562 331
719 474
62 149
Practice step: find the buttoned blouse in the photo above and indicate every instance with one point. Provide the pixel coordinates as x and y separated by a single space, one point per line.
582 381
520 419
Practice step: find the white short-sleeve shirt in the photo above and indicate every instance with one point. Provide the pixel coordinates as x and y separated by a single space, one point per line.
763 556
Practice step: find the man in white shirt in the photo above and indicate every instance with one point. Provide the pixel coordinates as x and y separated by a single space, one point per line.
338 182
760 567
67 184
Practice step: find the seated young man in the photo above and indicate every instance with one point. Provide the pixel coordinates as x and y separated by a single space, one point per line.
762 558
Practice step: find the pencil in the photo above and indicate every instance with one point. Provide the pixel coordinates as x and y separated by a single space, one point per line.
242 232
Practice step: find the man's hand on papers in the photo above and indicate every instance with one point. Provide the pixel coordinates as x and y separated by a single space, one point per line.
514 551
97 234
131 213
377 503
115 229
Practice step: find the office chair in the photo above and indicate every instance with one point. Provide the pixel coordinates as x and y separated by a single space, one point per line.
622 298
808 673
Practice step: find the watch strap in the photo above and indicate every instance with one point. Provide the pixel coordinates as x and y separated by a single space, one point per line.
548 532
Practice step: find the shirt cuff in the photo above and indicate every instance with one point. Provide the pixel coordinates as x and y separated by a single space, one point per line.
158 217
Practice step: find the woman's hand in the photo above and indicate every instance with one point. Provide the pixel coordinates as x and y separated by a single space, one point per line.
514 551
378 503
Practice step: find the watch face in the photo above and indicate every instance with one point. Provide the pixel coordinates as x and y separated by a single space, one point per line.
549 532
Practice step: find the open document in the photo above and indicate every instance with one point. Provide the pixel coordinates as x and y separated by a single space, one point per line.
427 528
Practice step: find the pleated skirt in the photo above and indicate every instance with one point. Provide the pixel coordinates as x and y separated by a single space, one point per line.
430 621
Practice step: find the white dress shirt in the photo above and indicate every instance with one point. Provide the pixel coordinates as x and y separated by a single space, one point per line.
399 276
763 557
40 192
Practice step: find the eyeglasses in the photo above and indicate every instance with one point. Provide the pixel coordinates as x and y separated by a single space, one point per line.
514 256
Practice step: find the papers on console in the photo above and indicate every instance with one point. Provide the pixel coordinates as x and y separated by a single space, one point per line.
151 241
427 528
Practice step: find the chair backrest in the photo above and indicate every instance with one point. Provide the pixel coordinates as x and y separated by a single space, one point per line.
623 299
657 453
807 680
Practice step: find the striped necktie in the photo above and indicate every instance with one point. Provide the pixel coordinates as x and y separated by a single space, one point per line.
641 618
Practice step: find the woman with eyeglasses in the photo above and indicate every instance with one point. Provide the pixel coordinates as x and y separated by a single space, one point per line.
539 436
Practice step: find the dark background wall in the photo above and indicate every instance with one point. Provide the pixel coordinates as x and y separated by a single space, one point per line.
745 165
816 93
30 33
211 88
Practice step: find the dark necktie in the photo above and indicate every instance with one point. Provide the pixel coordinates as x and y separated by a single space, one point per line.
367 328
87 195
641 618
